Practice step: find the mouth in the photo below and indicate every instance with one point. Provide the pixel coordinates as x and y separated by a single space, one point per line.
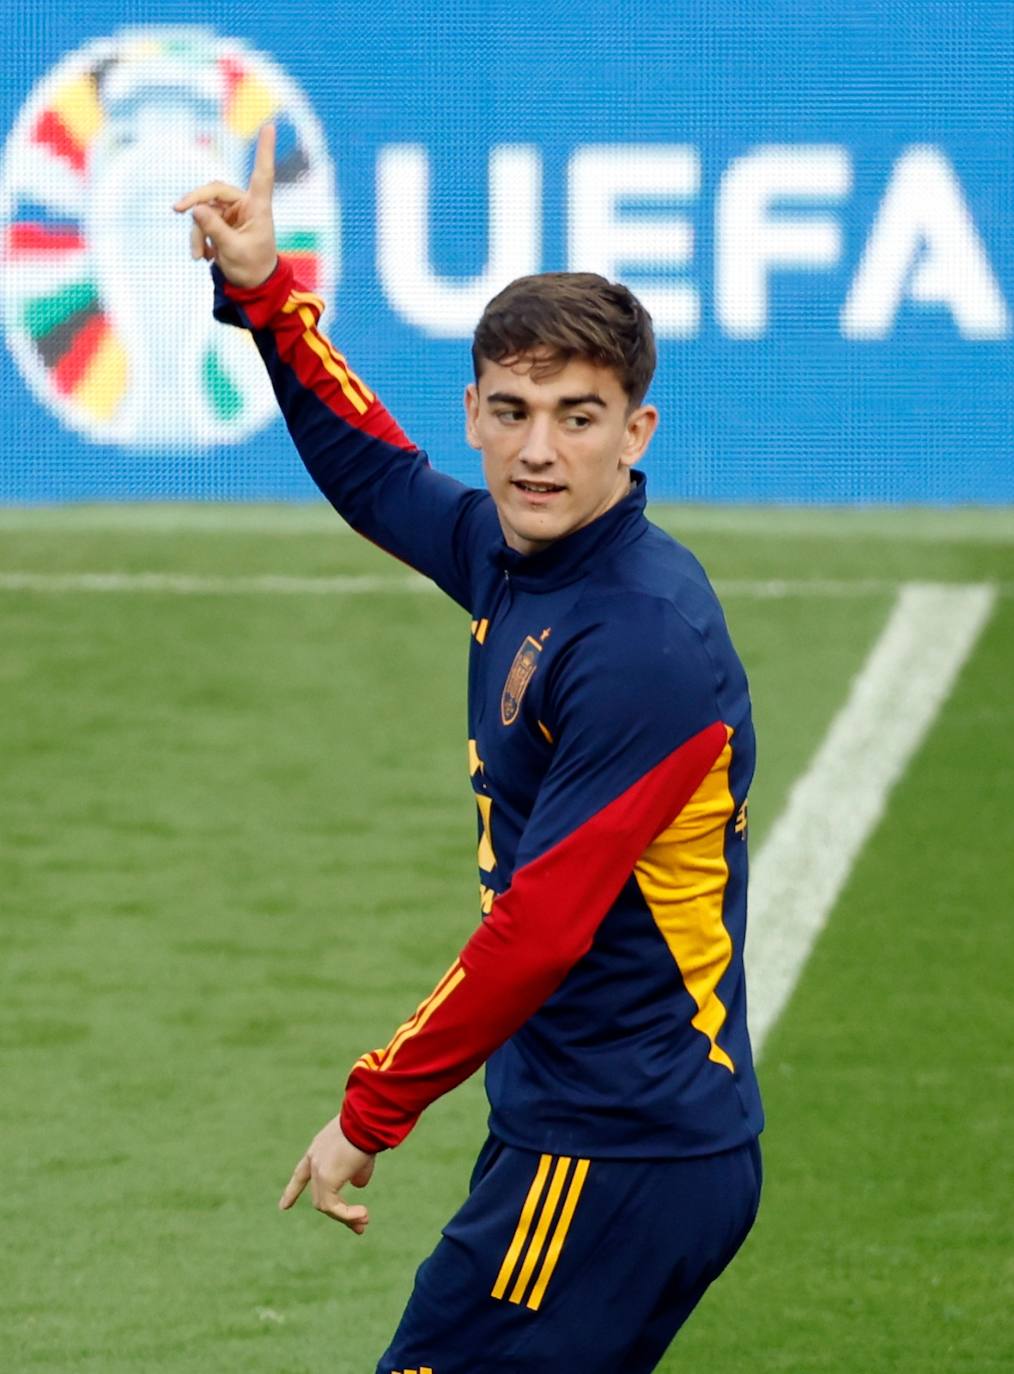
536 488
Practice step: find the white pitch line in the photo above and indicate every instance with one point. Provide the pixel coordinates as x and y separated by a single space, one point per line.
351 584
175 519
188 584
837 803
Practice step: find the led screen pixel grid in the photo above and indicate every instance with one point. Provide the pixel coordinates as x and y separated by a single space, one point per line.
816 203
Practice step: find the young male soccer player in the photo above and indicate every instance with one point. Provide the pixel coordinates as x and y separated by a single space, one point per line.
610 750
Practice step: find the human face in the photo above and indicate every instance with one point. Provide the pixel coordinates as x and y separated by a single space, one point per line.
556 452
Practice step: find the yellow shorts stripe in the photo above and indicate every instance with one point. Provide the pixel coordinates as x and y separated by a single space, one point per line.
540 1210
559 1235
542 1229
523 1227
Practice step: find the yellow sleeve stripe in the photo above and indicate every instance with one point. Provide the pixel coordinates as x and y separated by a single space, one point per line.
318 346
296 300
524 1226
559 1235
353 377
378 1060
454 976
356 392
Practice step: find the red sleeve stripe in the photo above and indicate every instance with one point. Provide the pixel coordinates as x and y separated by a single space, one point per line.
304 298
354 390
299 299
292 314
315 369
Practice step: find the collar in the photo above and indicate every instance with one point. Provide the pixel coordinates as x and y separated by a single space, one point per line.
568 559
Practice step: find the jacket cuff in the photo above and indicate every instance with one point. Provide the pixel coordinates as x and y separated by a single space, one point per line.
252 306
356 1135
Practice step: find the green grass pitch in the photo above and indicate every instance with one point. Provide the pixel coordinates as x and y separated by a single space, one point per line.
237 848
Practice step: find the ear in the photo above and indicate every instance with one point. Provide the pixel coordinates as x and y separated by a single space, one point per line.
641 426
472 415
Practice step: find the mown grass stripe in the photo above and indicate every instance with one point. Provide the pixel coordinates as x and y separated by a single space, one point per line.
913 526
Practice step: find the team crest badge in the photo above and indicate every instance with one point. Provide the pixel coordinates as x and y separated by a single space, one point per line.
526 660
107 318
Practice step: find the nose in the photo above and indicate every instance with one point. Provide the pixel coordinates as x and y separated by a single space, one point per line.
537 451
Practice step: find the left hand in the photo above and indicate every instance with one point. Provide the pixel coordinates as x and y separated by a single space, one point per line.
331 1162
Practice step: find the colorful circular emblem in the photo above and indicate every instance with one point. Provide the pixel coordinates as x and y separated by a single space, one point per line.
108 318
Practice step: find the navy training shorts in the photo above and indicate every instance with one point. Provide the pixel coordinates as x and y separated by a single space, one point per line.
561 1264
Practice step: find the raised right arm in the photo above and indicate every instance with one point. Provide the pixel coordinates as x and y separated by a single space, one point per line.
353 449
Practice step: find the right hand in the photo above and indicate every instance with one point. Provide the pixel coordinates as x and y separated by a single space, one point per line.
234 228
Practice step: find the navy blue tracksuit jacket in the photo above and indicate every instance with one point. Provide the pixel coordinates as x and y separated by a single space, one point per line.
610 749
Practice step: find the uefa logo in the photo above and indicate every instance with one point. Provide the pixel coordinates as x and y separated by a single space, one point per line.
106 315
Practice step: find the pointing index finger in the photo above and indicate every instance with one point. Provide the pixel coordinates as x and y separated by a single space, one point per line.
262 178
300 1178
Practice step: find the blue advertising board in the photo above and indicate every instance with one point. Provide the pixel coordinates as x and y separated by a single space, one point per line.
815 201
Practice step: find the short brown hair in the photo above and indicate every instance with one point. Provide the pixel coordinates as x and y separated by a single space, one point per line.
564 315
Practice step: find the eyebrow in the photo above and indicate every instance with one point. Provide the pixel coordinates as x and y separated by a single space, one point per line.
589 398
